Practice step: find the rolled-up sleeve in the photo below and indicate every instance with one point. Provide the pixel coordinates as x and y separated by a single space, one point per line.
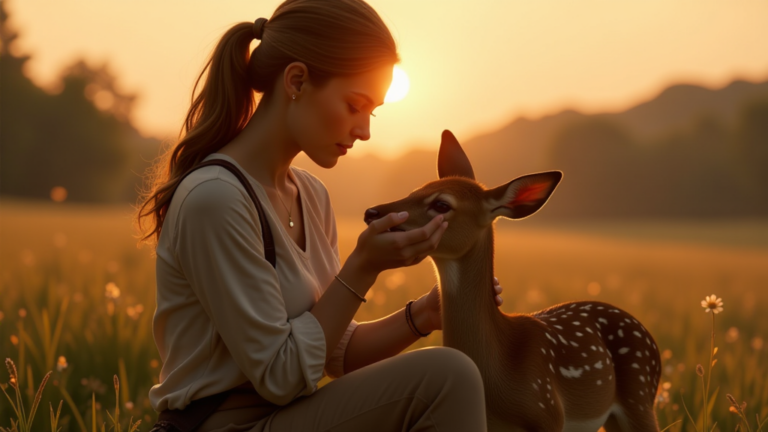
219 248
335 366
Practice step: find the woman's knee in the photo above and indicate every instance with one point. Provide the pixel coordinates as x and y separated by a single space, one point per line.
449 361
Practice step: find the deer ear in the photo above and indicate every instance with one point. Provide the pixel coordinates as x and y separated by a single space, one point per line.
522 196
451 159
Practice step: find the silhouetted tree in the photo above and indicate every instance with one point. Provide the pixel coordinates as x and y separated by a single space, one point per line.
63 139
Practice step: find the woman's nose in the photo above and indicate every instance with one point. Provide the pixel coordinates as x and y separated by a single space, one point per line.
362 133
370 216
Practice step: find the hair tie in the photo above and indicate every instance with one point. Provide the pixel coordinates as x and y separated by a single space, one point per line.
258 27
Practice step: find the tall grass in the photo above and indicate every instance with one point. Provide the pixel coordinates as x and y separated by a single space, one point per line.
78 297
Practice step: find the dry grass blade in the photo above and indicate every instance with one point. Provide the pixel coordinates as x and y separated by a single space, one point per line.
689 414
19 406
670 425
93 411
55 417
38 396
74 408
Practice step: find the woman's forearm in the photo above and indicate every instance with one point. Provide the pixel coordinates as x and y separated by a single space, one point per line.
373 341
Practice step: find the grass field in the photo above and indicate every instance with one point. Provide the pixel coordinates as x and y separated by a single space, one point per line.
77 298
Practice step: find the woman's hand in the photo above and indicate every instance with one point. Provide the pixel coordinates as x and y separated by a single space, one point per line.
432 306
378 249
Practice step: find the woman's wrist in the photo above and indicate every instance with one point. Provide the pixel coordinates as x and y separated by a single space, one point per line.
355 275
420 316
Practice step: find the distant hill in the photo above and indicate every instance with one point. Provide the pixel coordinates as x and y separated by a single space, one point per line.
689 152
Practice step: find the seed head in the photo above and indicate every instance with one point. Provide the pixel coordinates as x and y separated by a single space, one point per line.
11 370
699 370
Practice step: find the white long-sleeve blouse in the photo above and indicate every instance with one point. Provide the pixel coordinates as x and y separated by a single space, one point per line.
224 315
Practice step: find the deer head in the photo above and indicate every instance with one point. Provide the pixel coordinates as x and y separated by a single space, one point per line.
469 207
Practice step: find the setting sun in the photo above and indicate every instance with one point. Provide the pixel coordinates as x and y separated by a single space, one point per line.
399 87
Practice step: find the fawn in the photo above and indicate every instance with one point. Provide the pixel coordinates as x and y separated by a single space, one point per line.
575 366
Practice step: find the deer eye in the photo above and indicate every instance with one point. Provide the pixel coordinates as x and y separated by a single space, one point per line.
440 207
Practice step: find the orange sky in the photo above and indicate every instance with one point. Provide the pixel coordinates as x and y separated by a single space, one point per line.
473 65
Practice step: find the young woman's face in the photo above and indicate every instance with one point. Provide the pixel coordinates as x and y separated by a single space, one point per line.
326 122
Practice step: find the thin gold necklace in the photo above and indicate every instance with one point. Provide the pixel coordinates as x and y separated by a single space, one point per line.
290 221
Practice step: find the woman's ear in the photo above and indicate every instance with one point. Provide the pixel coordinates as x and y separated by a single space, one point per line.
522 196
294 77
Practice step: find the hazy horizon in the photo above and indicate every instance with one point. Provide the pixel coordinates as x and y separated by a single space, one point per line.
528 60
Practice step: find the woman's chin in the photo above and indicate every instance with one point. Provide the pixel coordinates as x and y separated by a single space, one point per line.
324 161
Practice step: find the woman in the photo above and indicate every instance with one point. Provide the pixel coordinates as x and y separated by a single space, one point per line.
225 317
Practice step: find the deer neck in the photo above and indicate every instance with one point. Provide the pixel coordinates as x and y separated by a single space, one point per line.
472 322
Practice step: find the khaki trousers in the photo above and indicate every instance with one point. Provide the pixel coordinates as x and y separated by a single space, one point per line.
428 389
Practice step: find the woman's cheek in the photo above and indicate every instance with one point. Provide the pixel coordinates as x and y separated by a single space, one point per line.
336 119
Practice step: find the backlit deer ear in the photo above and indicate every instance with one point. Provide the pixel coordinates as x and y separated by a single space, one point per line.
522 196
451 159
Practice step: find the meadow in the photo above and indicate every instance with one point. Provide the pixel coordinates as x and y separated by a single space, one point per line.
77 298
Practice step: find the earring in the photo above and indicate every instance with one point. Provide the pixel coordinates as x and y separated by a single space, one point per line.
294 97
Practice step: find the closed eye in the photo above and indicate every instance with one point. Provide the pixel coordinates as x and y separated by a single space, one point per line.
355 110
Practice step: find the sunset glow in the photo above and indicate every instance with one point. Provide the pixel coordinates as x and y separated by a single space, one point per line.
399 87
474 67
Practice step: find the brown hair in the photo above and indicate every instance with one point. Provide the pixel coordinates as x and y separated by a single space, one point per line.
331 37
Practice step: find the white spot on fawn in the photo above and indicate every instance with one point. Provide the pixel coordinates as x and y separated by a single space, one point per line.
621 333
599 365
623 350
571 372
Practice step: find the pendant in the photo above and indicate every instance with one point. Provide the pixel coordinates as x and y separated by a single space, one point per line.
290 222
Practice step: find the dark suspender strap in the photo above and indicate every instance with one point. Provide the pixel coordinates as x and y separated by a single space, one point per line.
266 232
194 414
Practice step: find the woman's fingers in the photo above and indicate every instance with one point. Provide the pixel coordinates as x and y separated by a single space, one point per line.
422 234
426 246
497 289
383 224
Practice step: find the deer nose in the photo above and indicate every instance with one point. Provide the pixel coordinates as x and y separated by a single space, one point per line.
370 216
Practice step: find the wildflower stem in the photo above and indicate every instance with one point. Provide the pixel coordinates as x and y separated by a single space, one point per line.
704 397
709 371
